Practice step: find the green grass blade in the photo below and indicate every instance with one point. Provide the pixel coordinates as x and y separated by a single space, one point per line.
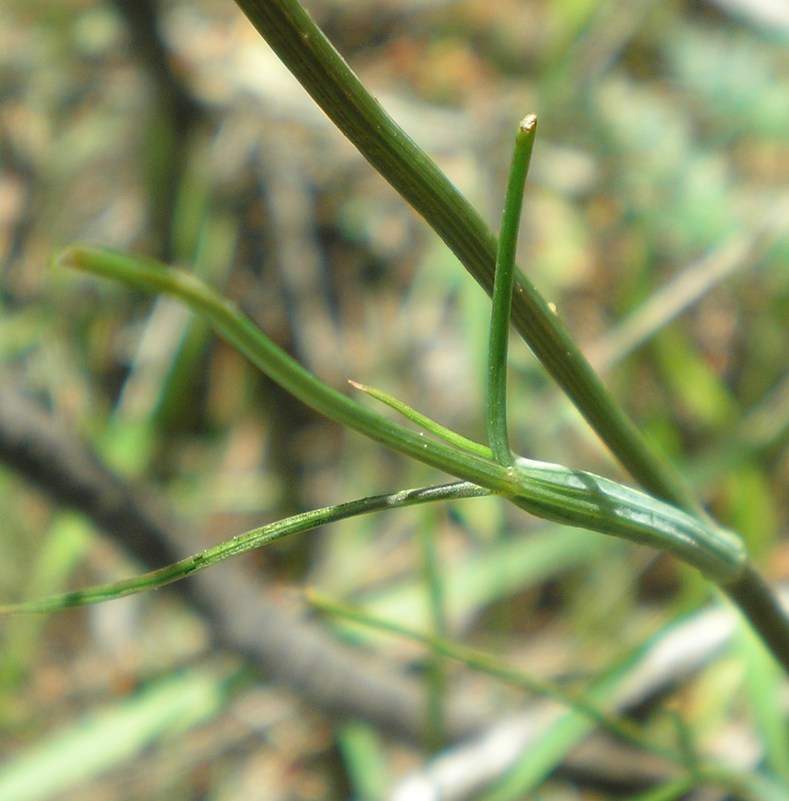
498 345
364 760
670 791
61 762
435 670
480 579
764 682
256 538
483 663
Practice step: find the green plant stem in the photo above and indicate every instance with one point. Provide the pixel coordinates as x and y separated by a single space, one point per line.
761 606
600 504
498 345
312 59
550 491
251 540
436 673
320 69
425 422
547 490
249 340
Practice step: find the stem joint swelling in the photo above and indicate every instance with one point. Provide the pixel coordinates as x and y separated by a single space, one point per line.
603 505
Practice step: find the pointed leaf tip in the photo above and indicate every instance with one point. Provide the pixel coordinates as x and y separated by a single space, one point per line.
528 123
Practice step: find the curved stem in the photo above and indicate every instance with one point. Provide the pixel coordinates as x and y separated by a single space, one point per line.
256 538
239 331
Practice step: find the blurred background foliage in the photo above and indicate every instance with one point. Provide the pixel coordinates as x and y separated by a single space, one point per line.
655 220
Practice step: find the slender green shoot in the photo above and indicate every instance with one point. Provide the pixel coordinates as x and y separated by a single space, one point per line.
503 281
425 422
590 704
485 663
240 332
436 674
251 540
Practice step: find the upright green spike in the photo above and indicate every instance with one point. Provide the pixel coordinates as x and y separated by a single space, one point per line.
496 411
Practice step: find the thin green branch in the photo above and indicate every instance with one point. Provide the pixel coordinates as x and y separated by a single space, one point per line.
251 540
498 345
425 422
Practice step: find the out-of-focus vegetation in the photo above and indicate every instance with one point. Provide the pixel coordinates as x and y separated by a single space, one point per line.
656 220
